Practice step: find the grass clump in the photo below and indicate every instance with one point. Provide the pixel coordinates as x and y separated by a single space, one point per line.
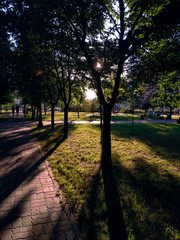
146 172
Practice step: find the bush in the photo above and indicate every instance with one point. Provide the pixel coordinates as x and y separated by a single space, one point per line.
125 110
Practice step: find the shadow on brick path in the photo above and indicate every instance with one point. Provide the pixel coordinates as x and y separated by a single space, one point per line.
29 207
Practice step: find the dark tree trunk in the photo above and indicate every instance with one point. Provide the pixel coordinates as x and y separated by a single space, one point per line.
106 137
25 111
101 116
45 109
114 211
66 108
78 112
40 123
52 116
32 111
170 115
37 111
116 223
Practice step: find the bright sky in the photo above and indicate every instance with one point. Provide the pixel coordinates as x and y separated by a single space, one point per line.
90 94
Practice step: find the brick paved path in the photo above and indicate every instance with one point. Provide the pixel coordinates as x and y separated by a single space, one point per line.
29 207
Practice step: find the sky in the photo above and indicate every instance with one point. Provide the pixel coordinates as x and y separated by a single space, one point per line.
90 94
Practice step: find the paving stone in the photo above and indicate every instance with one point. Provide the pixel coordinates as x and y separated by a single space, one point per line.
70 234
43 209
7 227
56 200
41 221
26 221
37 230
60 236
22 235
43 237
26 213
17 223
47 228
22 230
57 209
40 215
61 227
6 235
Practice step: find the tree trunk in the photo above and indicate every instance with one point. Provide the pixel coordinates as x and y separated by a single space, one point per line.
101 117
52 116
40 123
33 111
106 138
37 111
78 112
45 108
114 211
170 115
66 108
25 111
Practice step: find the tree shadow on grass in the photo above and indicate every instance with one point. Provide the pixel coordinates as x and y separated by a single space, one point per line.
150 200
163 139
116 222
141 202
54 137
92 213
101 215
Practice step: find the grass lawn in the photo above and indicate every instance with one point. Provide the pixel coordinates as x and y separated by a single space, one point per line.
59 116
86 116
4 114
146 170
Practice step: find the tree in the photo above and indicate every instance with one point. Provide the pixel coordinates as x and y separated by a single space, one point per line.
94 106
6 76
168 92
78 98
157 71
109 33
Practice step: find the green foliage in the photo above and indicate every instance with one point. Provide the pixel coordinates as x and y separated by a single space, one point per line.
168 91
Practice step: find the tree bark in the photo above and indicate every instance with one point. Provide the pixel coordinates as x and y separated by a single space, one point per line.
45 108
106 138
170 115
40 123
66 108
37 111
25 111
114 211
52 116
33 111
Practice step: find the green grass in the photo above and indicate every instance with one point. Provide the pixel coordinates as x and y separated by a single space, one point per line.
4 114
145 167
85 116
59 116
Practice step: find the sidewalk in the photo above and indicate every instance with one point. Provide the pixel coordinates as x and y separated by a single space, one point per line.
29 207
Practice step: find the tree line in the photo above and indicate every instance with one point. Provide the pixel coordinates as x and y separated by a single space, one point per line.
51 51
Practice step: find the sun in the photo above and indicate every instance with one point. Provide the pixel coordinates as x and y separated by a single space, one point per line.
98 66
